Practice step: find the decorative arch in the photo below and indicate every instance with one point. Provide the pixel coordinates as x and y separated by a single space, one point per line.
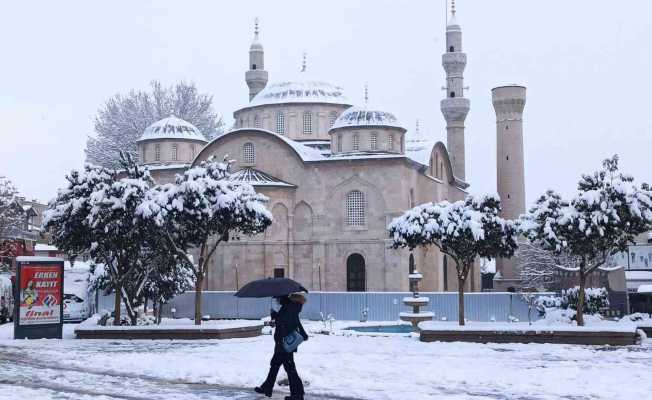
279 228
356 275
440 155
302 222
205 152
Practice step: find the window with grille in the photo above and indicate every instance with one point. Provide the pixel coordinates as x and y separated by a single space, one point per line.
157 152
143 155
331 119
248 153
339 143
175 152
390 142
280 123
307 123
355 208
356 142
192 152
257 122
374 141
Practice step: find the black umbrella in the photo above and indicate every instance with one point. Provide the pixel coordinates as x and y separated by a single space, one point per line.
270 287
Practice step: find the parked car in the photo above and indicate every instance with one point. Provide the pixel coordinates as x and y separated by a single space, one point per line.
78 298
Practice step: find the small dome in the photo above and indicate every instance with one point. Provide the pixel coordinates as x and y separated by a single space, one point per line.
300 91
172 128
366 116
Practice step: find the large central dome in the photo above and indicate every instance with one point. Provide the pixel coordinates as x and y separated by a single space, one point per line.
300 91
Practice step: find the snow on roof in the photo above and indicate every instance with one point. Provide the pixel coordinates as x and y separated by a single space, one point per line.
167 166
366 115
305 89
45 247
255 177
172 128
645 289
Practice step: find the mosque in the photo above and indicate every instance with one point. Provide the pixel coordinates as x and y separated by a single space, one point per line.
337 173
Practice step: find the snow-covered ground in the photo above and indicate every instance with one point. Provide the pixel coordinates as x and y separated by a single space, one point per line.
365 366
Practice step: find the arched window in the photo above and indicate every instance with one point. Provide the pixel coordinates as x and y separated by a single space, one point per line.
280 123
307 123
452 94
390 142
355 273
253 66
451 49
339 143
437 165
192 152
175 152
374 141
157 152
356 142
256 122
355 208
332 116
248 153
142 160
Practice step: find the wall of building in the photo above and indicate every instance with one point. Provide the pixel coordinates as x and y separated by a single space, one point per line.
310 239
322 117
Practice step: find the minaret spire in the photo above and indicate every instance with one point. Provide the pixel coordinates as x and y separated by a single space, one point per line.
256 76
366 93
454 106
304 62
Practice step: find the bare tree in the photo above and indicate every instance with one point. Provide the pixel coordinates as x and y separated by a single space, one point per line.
122 119
12 217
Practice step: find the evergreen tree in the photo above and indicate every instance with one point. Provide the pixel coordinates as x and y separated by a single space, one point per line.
12 218
464 230
603 218
202 209
123 118
96 213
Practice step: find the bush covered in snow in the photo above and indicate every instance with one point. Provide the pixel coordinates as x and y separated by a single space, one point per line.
595 299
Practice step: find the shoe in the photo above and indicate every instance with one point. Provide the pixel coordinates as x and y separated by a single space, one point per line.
260 390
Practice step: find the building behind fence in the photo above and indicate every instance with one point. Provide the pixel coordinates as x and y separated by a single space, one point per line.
379 306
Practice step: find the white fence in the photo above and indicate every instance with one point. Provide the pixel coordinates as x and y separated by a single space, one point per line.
380 306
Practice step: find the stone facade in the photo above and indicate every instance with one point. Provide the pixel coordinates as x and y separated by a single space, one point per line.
311 239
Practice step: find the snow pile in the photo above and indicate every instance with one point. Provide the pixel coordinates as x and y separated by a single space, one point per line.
170 323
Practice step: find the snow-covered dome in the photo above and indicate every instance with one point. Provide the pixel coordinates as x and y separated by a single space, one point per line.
172 128
304 90
366 116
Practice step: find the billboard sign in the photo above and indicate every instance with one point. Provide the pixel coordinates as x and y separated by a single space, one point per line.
39 297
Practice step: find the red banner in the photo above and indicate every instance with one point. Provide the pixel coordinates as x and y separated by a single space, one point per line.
40 294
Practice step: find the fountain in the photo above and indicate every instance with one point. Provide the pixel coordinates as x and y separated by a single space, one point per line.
416 302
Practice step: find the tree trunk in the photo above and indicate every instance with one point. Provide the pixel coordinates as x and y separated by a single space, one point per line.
116 305
580 299
199 283
460 300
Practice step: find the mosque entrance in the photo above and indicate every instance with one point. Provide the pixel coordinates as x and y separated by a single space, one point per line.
355 273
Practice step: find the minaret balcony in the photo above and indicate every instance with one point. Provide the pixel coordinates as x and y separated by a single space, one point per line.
455 109
453 62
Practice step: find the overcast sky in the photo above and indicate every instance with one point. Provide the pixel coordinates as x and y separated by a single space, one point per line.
586 65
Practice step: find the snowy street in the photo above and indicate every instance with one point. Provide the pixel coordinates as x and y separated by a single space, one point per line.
351 366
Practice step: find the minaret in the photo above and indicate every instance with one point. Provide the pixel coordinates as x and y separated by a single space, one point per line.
455 107
256 76
509 102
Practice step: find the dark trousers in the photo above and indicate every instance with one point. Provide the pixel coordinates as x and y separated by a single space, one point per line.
281 357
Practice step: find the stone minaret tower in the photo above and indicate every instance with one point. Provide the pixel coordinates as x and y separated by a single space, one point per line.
455 107
256 76
509 102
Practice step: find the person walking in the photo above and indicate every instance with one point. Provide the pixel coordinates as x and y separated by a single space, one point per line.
287 322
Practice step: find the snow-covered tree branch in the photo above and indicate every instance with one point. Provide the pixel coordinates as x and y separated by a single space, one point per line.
123 118
464 230
603 218
202 209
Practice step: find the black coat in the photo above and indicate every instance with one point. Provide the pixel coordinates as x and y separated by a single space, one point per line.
287 321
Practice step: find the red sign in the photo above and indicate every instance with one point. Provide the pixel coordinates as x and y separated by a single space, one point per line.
40 294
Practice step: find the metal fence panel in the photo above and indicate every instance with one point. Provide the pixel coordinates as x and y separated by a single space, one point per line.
380 306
